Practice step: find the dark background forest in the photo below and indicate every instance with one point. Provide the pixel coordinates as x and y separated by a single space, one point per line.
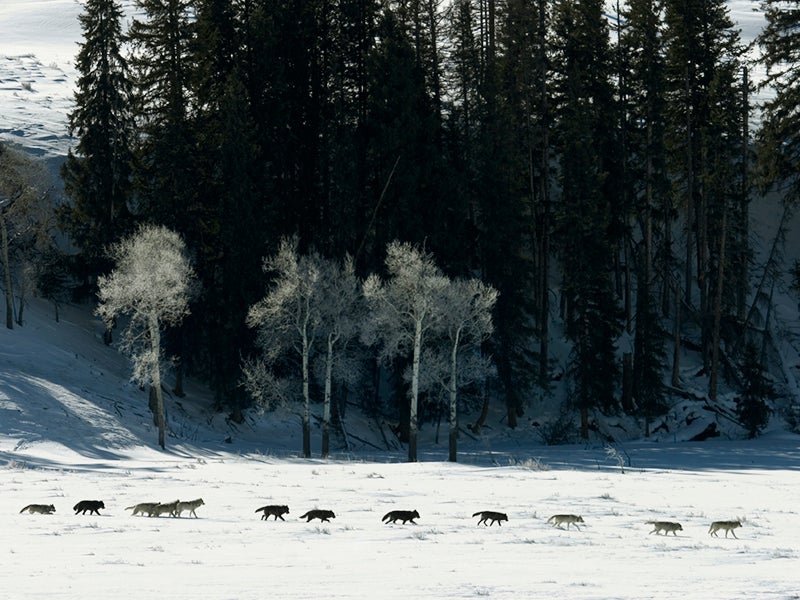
596 169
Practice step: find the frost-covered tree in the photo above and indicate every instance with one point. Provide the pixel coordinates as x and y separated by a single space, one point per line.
287 317
467 322
406 308
152 282
342 311
454 359
25 217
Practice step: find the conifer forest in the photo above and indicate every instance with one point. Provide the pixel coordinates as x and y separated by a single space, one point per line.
411 178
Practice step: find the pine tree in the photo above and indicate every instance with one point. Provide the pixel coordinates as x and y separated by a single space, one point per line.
162 66
585 221
98 174
779 137
644 93
751 406
704 140
402 157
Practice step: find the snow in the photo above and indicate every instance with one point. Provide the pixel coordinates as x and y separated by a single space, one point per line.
72 427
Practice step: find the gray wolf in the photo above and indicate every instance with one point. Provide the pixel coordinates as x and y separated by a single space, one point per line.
558 520
171 508
322 515
93 506
493 517
665 526
403 515
726 525
276 510
41 509
143 507
190 505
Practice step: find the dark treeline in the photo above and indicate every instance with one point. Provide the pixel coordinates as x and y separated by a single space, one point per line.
593 168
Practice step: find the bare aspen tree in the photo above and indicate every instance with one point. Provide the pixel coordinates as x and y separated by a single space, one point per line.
405 308
288 316
467 321
152 282
341 313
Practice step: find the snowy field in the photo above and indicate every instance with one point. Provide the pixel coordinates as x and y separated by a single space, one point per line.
228 552
72 428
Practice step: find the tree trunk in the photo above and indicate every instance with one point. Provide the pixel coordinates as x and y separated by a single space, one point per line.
627 382
155 341
326 406
453 445
584 422
689 201
178 389
676 355
412 416
713 378
306 400
478 425
7 273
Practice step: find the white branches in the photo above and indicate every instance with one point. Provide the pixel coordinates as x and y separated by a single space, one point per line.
314 306
152 283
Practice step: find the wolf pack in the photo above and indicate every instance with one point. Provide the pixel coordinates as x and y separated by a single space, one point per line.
487 518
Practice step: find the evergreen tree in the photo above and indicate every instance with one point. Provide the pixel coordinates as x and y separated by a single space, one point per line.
161 61
751 407
233 233
779 137
644 94
704 139
402 157
504 216
585 226
525 89
98 174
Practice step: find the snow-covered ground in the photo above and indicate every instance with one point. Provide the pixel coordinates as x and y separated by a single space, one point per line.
72 428
228 552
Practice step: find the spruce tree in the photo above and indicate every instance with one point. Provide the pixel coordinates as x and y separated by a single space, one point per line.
586 229
161 62
645 104
779 136
97 174
751 406
703 70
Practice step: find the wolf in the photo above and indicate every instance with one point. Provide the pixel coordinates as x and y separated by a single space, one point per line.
190 505
93 506
493 517
557 520
40 509
143 507
404 515
322 515
276 510
726 525
665 526
170 508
